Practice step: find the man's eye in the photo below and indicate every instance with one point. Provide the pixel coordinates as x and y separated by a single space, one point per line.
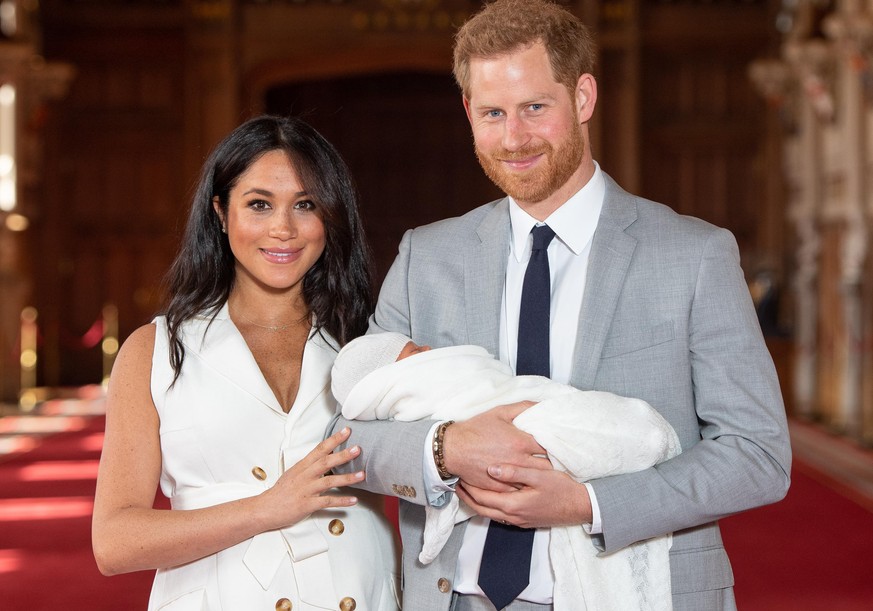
494 114
536 106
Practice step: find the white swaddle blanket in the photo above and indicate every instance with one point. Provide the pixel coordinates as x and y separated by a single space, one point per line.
587 434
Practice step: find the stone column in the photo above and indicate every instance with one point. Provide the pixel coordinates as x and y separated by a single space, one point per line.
807 60
851 31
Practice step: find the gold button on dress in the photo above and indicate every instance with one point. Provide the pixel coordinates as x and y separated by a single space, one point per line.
348 604
336 527
283 604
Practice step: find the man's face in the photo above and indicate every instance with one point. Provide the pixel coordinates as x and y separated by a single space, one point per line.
527 127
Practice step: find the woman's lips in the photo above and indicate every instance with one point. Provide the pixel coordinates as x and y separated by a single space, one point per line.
281 255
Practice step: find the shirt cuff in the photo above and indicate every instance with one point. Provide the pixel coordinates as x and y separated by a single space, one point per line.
437 489
596 527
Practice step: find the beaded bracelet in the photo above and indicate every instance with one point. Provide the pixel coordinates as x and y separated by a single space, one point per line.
438 456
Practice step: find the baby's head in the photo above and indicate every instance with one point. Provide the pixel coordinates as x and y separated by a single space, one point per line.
366 354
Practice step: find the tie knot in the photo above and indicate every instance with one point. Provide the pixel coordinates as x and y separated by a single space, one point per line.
542 235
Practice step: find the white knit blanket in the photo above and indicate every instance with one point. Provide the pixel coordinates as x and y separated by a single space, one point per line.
587 434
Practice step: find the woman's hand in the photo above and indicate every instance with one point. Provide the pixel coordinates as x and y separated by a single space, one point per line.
302 489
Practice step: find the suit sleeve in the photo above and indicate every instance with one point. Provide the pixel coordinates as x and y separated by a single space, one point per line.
743 457
391 452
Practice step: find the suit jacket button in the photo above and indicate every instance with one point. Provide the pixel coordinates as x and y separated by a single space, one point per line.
336 527
444 585
259 473
348 604
407 491
283 604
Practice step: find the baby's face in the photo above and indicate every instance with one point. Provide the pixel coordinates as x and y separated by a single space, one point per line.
411 348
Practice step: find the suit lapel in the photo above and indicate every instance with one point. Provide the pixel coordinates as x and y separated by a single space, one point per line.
611 253
484 275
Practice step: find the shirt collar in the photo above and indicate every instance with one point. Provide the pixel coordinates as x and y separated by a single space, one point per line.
573 222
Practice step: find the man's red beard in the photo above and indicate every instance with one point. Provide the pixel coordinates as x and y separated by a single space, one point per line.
551 173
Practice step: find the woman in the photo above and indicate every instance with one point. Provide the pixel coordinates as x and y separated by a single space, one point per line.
224 400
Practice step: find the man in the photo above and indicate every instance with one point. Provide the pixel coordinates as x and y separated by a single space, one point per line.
644 303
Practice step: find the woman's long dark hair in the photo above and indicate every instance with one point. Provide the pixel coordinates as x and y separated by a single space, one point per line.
337 289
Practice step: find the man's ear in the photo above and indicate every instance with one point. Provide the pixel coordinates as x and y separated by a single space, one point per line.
586 97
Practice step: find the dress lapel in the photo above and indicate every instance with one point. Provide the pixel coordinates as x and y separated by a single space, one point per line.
318 356
611 253
484 275
224 350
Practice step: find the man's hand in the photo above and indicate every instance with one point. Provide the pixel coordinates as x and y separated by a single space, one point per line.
488 439
537 498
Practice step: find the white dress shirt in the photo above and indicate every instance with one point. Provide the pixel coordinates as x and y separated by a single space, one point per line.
574 224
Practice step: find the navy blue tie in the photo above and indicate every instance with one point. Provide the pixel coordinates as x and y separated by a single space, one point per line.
505 569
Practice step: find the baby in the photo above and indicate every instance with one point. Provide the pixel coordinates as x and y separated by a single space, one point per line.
587 434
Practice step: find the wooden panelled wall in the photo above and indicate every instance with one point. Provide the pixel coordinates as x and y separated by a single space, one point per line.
160 81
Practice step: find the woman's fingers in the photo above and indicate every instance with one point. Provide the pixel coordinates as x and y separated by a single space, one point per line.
306 486
322 458
330 444
334 459
338 481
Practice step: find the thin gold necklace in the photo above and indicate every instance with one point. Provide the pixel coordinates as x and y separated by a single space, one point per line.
272 328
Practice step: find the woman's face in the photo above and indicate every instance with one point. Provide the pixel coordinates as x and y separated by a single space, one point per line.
274 227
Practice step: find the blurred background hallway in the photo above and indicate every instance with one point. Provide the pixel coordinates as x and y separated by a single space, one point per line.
756 115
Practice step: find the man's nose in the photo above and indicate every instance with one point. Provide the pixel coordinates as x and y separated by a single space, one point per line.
515 133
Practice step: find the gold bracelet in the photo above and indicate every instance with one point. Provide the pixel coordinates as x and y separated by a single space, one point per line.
438 456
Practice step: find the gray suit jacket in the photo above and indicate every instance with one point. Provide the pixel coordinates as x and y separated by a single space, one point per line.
667 318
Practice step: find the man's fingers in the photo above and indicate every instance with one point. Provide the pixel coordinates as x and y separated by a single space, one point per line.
511 411
515 475
483 509
493 486
540 463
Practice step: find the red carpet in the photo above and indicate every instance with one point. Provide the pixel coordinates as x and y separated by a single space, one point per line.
810 552
46 497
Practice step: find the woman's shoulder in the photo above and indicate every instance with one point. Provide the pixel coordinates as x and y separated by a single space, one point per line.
140 342
135 355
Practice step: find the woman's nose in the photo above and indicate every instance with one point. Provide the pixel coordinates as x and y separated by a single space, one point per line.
282 225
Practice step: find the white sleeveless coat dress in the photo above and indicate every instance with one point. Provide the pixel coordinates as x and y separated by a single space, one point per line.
225 437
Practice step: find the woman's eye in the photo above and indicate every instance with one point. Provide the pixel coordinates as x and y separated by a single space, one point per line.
305 204
259 204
